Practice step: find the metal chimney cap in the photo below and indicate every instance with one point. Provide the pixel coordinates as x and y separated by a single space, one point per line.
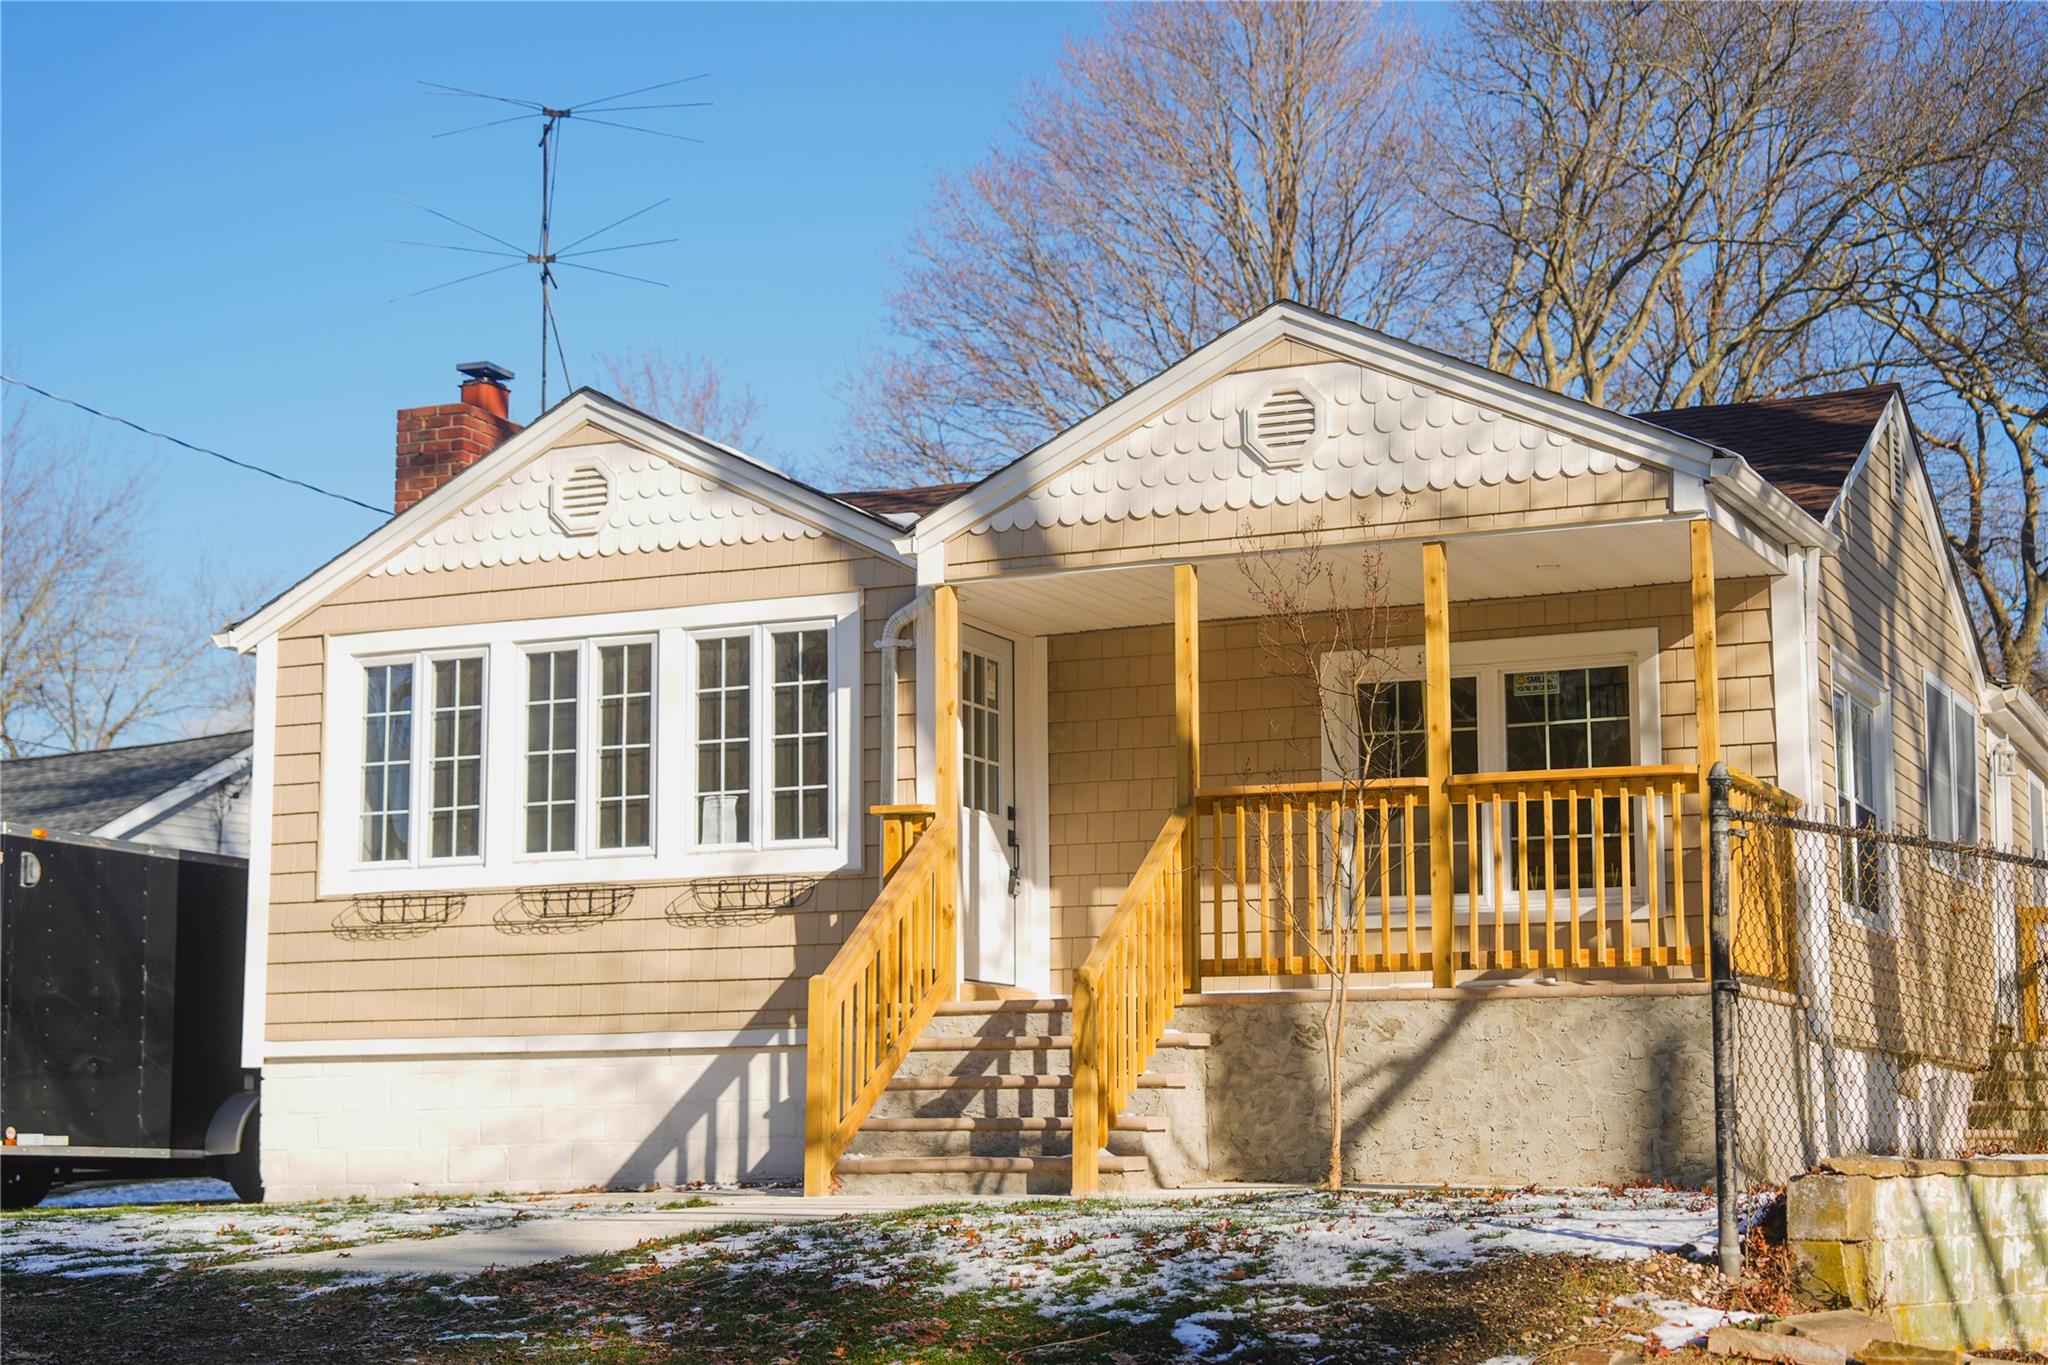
484 372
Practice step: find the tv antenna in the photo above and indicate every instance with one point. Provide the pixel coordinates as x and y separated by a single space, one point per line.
546 256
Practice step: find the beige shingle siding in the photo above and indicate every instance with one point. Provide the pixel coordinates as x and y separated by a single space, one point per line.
632 974
1110 754
1886 607
1615 496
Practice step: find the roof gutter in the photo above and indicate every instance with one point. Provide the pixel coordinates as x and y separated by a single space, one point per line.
1736 482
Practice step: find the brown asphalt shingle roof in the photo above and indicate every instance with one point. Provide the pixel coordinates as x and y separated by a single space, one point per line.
1806 446
915 501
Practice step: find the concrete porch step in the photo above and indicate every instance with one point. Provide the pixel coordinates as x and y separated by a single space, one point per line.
982 1165
1037 1005
1150 1080
1041 1123
1043 1042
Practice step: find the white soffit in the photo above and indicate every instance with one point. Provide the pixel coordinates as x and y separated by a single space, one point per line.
1537 563
650 503
1386 435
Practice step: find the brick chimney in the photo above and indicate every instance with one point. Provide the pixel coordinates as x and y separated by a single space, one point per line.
437 443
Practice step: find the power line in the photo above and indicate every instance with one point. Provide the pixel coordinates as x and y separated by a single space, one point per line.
198 449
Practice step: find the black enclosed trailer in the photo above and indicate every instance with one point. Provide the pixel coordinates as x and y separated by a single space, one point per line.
121 973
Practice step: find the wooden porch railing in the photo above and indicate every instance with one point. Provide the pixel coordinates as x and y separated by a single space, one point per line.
1763 900
2030 921
882 987
901 824
1127 990
1586 868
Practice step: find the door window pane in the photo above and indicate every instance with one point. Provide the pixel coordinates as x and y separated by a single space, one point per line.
625 745
387 763
801 779
981 704
551 751
1392 742
724 740
455 802
1562 718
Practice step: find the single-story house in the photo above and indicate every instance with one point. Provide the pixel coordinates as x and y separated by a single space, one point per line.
190 794
628 811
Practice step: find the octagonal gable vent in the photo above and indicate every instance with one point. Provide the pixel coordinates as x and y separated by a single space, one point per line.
1284 424
580 499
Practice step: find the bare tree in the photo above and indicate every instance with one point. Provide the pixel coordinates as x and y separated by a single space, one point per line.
1964 303
686 390
1324 627
93 650
1183 169
1669 204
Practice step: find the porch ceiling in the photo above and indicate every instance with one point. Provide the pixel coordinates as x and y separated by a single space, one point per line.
1530 563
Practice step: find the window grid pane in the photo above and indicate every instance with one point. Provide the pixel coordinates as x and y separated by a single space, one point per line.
724 740
387 763
801 781
551 751
1392 742
455 803
981 732
1568 718
625 745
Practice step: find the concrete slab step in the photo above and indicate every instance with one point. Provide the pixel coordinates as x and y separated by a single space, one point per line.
1043 1042
981 1165
1150 1080
1013 1123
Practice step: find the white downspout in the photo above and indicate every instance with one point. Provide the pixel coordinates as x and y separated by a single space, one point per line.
893 640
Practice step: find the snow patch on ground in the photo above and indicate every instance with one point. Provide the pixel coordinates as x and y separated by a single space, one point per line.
193 1191
1681 1324
1133 1260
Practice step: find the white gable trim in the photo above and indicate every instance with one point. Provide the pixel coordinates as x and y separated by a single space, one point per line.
1625 436
234 765
694 453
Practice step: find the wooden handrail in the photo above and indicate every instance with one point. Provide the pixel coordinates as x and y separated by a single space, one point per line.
1127 990
902 823
883 986
1552 869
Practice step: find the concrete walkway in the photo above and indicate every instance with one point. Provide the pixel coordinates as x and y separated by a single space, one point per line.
580 1225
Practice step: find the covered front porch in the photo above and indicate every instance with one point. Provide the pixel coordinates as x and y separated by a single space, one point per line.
1181 820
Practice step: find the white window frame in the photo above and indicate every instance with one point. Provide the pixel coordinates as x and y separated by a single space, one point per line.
589 677
1952 701
1853 684
760 841
419 841
1490 661
673 855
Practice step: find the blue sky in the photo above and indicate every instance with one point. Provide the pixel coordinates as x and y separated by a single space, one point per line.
194 202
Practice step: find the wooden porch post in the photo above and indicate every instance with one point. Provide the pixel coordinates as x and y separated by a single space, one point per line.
1706 668
1436 711
1187 744
946 784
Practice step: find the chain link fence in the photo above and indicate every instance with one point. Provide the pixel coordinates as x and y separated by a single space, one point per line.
1889 995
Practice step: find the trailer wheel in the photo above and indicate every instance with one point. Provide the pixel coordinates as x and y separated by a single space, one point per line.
23 1184
243 1168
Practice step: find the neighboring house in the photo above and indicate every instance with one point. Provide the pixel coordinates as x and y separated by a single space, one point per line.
190 794
630 810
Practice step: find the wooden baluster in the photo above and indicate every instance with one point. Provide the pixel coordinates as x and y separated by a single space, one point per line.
1500 885
1311 829
1600 872
1571 855
1288 946
1414 960
1550 945
1243 949
1653 873
1386 841
1629 953
1266 963
1358 952
1475 946
1215 874
1681 936
1522 866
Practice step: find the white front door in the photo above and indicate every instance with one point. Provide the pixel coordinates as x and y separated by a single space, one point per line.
989 867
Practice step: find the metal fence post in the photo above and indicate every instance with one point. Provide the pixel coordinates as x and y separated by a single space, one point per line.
1721 959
